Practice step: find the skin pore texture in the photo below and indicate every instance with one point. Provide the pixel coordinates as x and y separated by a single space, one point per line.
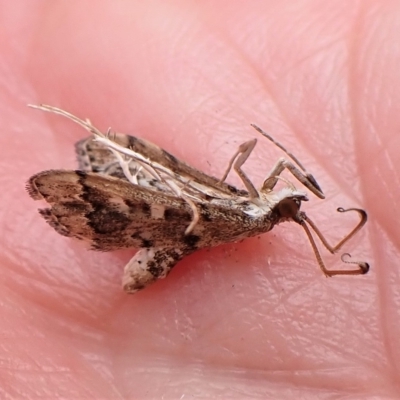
256 319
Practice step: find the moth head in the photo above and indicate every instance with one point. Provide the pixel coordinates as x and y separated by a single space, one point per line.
288 205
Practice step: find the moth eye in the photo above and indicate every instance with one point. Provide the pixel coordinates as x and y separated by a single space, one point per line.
288 208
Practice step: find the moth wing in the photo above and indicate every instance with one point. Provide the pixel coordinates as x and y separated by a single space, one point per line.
95 157
109 213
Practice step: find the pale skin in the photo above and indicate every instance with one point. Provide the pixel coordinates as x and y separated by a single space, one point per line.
251 320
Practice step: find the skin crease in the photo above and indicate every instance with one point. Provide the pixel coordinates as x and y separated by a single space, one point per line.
250 320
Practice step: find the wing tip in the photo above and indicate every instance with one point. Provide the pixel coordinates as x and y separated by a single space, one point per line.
32 187
52 220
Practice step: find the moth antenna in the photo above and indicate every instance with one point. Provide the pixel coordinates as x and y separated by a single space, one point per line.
109 133
84 124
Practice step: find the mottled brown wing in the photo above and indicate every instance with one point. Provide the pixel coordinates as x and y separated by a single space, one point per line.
107 212
111 214
95 157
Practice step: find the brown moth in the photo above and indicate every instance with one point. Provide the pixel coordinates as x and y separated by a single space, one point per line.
130 193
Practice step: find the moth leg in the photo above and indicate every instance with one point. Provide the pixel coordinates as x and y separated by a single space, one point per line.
195 212
363 267
299 172
238 159
333 249
305 178
150 264
179 192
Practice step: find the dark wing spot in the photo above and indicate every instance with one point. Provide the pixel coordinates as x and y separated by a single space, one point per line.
170 157
154 269
147 243
172 214
105 221
132 141
205 213
131 204
191 240
103 218
82 175
238 192
76 207
146 209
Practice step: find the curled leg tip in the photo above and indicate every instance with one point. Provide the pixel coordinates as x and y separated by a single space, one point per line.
364 267
363 214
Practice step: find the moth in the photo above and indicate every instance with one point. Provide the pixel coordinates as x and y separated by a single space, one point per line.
130 193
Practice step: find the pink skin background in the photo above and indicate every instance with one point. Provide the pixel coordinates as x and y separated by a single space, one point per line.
255 319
